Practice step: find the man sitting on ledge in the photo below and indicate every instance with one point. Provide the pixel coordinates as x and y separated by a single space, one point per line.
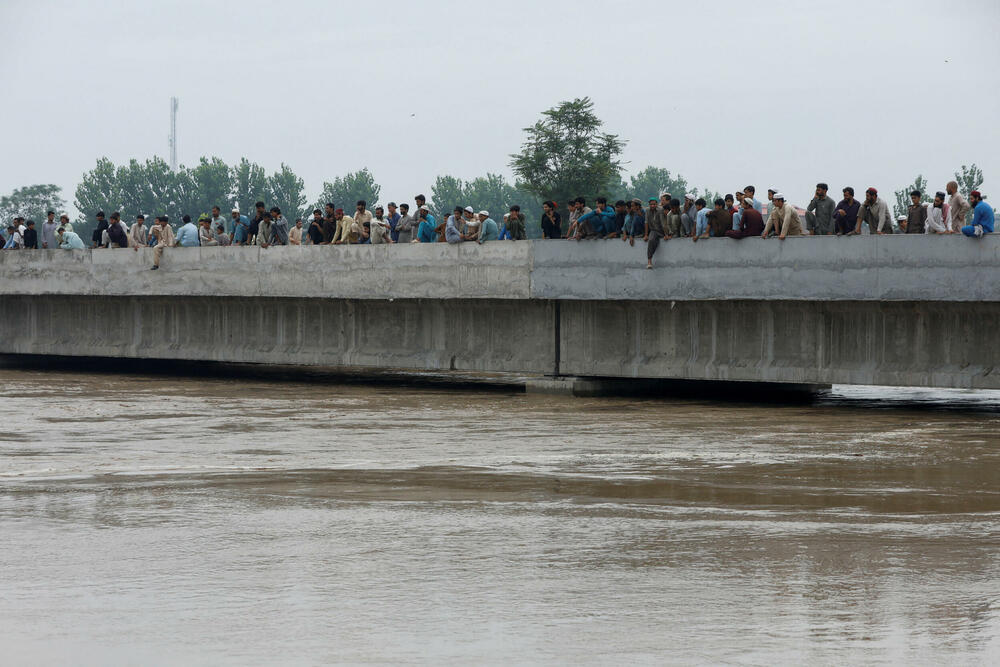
164 236
69 240
982 216
452 233
751 222
783 219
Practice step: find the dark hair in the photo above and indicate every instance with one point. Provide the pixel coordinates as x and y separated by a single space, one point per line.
849 189
581 201
729 198
221 228
361 202
421 197
29 223
699 200
823 186
515 208
459 209
549 203
316 210
602 200
259 204
61 229
405 205
186 219
751 188
330 204
100 214
216 206
675 202
51 213
275 209
379 208
140 217
720 202
164 218
916 193
620 202
116 216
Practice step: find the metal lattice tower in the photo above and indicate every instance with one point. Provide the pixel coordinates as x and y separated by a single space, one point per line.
173 134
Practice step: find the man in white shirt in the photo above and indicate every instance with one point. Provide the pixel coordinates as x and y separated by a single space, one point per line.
379 230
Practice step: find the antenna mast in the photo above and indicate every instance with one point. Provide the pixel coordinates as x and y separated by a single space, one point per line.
173 134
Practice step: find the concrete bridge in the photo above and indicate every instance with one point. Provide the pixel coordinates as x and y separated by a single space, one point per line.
900 310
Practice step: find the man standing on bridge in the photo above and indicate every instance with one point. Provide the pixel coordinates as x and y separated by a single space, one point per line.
846 215
875 212
819 212
957 206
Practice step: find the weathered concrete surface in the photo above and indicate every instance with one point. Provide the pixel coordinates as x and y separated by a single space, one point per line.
856 268
860 268
893 343
902 310
465 335
946 344
411 271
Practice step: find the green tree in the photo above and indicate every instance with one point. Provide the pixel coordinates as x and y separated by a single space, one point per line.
213 186
566 155
158 189
447 193
902 205
346 190
249 185
285 190
98 190
32 202
652 182
969 179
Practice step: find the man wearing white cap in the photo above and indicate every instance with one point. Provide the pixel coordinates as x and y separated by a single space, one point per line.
489 230
470 224
783 219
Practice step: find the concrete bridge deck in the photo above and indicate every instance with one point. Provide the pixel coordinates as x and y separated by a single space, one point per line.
903 310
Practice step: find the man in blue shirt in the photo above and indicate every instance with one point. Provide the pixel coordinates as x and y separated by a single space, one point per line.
982 216
452 233
241 227
488 229
393 219
425 232
187 235
701 220
597 223
69 240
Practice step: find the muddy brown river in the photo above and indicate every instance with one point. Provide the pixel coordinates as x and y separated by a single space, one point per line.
242 521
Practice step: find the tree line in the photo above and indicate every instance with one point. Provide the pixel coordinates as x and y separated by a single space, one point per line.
564 155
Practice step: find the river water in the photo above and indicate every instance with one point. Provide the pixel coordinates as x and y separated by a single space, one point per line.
165 520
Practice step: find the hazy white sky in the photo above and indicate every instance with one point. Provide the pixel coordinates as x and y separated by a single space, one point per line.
726 93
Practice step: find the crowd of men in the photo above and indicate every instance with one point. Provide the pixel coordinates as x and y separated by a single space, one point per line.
661 218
